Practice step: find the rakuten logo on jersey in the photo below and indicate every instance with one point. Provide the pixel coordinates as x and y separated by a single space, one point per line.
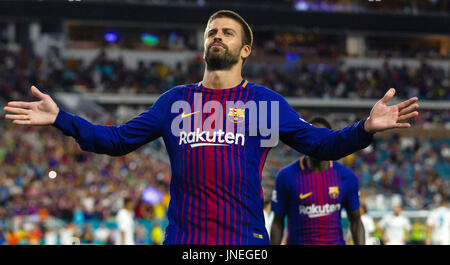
319 210
211 138
214 123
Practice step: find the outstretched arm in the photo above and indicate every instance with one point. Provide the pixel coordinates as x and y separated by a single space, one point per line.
42 112
383 117
325 144
111 140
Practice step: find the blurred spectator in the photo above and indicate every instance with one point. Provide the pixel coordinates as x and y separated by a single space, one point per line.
268 215
35 235
87 237
125 223
418 233
369 226
438 223
67 235
12 238
157 234
2 237
159 212
51 236
142 237
102 234
112 238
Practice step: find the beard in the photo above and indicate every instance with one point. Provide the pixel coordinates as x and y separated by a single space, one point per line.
220 60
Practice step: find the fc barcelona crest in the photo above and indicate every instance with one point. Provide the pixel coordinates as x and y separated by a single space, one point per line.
333 192
236 115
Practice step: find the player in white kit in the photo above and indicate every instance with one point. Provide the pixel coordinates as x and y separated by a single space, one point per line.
125 223
369 226
396 227
438 223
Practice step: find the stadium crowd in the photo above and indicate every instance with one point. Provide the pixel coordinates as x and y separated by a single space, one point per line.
299 79
89 189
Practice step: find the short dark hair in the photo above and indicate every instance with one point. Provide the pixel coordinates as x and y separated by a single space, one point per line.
321 120
247 36
364 207
126 200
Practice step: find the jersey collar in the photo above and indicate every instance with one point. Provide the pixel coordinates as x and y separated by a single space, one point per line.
304 165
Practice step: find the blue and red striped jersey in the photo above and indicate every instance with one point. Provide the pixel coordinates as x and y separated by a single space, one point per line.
216 154
313 202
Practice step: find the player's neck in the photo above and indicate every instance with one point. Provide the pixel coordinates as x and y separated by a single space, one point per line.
317 166
222 79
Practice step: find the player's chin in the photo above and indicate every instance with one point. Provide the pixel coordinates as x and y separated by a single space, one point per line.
216 56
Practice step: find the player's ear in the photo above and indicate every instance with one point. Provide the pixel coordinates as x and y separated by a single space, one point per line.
245 51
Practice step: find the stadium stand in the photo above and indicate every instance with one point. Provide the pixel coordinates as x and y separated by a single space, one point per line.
81 201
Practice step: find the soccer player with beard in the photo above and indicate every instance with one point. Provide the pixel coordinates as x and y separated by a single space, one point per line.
216 193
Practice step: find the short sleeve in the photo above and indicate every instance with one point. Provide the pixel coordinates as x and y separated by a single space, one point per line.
407 224
280 194
370 226
352 195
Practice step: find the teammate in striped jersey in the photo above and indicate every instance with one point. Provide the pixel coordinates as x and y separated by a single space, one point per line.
217 153
312 194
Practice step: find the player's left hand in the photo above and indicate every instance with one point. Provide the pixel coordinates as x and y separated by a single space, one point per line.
383 117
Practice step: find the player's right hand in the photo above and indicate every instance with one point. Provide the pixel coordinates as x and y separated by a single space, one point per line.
42 112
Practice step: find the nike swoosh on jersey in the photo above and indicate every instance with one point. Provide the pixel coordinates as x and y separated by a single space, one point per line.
189 114
303 196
